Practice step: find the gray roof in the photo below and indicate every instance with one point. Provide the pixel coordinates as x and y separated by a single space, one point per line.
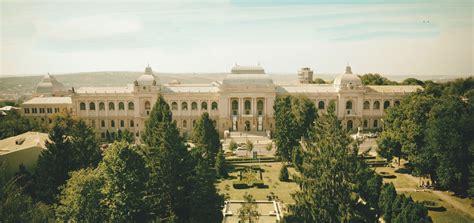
106 90
247 79
190 88
306 88
393 88
49 85
48 100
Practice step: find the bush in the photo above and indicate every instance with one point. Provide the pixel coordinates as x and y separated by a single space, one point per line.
239 185
284 176
433 206
232 145
258 183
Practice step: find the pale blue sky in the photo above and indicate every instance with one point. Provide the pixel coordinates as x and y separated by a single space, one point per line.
396 37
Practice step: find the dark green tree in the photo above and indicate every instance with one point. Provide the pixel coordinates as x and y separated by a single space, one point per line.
412 81
221 166
206 136
376 79
284 176
14 124
387 196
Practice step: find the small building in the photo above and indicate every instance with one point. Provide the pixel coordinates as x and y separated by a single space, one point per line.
21 149
269 211
41 108
305 75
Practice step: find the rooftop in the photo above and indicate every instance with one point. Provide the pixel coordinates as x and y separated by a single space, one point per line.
393 88
238 69
306 88
48 100
23 141
102 90
190 88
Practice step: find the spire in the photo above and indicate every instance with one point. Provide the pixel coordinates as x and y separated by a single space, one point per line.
348 69
148 70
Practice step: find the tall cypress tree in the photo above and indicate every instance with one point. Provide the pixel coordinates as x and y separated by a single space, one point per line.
206 136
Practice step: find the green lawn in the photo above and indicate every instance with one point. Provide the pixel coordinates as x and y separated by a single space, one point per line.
270 177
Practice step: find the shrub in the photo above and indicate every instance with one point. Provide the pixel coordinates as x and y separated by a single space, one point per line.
284 176
232 145
239 185
258 183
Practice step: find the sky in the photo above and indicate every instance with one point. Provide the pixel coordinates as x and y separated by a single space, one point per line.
392 37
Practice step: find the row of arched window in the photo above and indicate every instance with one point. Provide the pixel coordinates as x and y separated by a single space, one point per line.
375 106
110 107
113 124
247 107
194 106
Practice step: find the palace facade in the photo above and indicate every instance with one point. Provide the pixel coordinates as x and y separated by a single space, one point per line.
243 101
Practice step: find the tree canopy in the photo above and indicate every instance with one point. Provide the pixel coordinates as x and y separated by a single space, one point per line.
376 79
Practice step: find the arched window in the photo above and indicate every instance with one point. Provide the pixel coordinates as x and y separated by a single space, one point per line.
260 107
184 106
349 124
214 105
194 105
397 102
92 106
204 105
376 105
235 107
122 123
121 106
386 104
194 123
247 107
174 105
147 105
185 124
82 106
131 106
132 124
112 123
321 105
366 123
111 106
349 105
366 105
101 106
376 123
102 123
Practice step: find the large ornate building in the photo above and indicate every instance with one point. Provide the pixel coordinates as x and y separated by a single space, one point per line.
243 101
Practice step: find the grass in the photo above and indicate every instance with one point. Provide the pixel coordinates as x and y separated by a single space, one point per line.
270 177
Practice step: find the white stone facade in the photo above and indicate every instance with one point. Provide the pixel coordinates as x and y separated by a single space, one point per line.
243 101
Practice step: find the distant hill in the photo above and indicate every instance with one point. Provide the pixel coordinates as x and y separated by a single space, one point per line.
16 87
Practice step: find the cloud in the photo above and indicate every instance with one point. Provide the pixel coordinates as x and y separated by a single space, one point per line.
87 27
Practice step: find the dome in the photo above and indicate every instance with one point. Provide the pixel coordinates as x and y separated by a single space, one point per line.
147 78
49 86
347 79
247 76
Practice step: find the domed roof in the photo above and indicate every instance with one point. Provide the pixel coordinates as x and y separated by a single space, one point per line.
147 78
347 79
49 85
247 76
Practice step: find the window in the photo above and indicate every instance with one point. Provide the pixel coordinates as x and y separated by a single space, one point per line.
41 110
112 123
34 110
185 124
397 102
92 106
102 135
376 123
194 106
131 106
174 106
122 123
132 124
121 106
321 105
56 110
204 105
386 104
184 106
194 123
260 107
49 110
247 107
111 106
27 110
82 106
349 124
376 105
102 123
235 107
366 105
349 105
147 105
366 124
101 106
214 105
93 123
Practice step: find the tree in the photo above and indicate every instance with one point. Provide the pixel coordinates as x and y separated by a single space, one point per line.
206 136
221 167
72 146
412 81
206 204
125 175
14 124
328 176
387 196
249 210
319 81
232 145
249 145
294 117
375 79
269 146
284 176
80 199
